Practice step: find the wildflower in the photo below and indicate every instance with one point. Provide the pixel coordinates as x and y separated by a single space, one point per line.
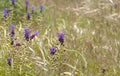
52 50
61 38
13 2
27 4
12 27
28 15
12 34
41 8
9 61
33 9
33 35
5 12
27 33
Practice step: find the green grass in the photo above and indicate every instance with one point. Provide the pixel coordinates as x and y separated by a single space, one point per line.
92 39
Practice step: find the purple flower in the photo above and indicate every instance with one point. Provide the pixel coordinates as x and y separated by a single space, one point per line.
33 35
61 38
27 33
41 8
9 61
52 50
12 27
12 34
5 12
28 15
13 2
33 9
27 4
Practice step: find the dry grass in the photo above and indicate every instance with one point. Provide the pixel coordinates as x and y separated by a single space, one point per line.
92 40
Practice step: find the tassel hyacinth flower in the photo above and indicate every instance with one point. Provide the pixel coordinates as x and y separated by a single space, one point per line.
28 15
61 38
27 4
13 2
52 50
33 9
27 33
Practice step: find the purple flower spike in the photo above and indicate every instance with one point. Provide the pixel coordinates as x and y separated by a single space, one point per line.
27 33
61 38
41 8
12 34
33 35
27 4
52 50
33 9
12 27
9 61
28 15
5 12
13 2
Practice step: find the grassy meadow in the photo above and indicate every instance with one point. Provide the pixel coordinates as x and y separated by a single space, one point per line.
60 38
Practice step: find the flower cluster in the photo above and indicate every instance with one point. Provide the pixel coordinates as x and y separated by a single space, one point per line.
61 40
6 10
27 34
